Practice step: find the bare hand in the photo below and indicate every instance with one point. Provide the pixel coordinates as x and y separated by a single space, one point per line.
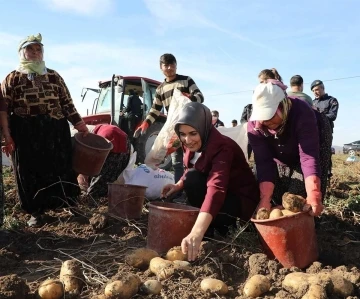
169 189
82 128
190 245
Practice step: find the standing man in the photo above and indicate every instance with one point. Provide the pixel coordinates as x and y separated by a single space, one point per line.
234 123
134 112
163 96
215 119
325 104
297 87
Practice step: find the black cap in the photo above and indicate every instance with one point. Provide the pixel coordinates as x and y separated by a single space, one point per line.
315 83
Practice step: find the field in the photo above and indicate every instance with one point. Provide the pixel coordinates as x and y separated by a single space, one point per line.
100 242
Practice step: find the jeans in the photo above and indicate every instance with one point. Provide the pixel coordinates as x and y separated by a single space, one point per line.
178 164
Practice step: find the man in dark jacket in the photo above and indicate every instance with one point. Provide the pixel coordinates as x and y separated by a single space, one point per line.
134 112
325 104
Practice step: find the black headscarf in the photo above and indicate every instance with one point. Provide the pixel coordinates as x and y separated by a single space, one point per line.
199 117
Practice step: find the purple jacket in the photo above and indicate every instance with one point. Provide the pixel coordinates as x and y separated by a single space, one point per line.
297 145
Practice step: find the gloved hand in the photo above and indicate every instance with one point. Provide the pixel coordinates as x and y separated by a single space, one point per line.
141 130
81 127
9 145
266 191
314 195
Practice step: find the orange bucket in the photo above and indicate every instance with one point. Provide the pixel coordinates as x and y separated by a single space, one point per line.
90 153
168 224
125 200
290 239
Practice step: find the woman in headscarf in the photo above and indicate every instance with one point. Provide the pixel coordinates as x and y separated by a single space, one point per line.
217 179
39 106
291 145
115 163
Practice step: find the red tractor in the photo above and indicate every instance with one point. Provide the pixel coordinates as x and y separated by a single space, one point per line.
112 99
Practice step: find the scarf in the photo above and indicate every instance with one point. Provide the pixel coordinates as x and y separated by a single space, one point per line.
199 117
31 68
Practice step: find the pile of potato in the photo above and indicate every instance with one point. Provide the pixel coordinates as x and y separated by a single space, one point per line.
291 204
70 282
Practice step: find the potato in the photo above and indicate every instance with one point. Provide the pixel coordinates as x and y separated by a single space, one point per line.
262 214
256 286
51 289
213 286
182 265
140 258
295 281
275 213
341 286
162 268
176 254
315 292
123 289
151 287
72 277
287 213
292 202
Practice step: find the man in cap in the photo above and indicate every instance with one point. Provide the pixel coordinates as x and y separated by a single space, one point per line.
297 87
325 104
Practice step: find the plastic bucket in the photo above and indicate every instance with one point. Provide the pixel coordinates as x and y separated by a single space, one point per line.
290 239
126 201
90 153
168 224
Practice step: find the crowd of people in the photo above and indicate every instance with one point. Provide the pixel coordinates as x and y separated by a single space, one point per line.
289 133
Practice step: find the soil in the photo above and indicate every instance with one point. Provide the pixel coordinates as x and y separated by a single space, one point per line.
100 242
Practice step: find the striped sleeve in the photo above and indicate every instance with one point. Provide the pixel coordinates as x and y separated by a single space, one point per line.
155 108
196 95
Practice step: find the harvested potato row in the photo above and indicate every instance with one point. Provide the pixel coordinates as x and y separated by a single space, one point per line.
176 254
123 289
140 258
51 289
292 202
71 276
214 286
256 286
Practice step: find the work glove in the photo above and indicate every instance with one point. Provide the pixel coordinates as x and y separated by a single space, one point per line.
314 195
266 191
141 130
9 145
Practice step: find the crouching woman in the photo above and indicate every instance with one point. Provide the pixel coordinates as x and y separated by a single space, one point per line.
217 178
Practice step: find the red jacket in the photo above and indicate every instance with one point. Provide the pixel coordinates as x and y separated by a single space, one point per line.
225 164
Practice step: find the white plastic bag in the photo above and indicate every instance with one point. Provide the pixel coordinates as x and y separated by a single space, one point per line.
167 141
239 135
154 180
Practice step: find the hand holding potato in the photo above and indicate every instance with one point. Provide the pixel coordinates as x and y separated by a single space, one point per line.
190 245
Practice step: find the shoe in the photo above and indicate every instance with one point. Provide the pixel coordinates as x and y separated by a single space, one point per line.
35 221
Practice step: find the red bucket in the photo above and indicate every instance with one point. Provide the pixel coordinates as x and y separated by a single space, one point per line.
168 224
290 239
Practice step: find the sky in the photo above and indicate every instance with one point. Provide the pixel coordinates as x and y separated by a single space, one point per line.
221 44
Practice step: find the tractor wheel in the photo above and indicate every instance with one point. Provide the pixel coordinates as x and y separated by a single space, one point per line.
145 142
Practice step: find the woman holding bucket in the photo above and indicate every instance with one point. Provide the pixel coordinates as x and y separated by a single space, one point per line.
217 178
115 162
291 144
39 106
